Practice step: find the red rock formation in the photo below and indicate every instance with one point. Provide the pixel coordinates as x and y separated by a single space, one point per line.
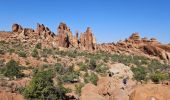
154 41
16 28
87 40
40 28
90 92
135 36
64 35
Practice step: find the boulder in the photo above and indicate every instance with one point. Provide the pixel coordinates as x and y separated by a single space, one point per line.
10 96
90 92
120 70
151 92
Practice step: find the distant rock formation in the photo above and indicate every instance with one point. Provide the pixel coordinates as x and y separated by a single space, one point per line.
135 36
154 40
66 39
87 40
16 28
63 37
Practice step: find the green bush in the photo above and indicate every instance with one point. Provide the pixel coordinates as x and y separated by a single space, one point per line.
13 70
59 69
78 88
93 78
101 69
92 64
157 77
38 46
42 87
66 74
22 54
139 73
11 51
35 53
83 67
69 77
2 51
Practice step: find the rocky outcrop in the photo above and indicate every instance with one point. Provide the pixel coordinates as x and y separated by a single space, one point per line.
66 39
64 35
90 92
108 88
16 28
87 40
154 41
161 51
151 92
10 96
117 86
44 32
120 70
135 37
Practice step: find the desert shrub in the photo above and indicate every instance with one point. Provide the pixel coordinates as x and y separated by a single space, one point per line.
2 51
12 70
45 52
11 51
35 71
101 69
78 88
2 63
70 77
38 46
42 87
157 77
72 54
60 69
139 73
44 66
2 42
83 67
66 74
92 64
93 78
35 53
22 54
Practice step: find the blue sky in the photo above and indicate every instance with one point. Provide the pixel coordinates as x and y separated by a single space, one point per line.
110 20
